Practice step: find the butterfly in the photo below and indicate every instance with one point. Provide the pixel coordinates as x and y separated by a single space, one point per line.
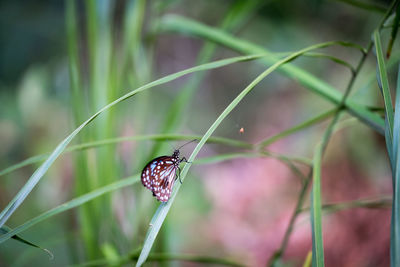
159 175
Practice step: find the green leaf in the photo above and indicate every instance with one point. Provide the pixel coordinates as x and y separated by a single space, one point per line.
162 211
5 229
38 174
316 220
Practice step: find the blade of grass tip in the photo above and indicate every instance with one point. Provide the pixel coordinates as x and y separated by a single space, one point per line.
316 220
5 229
38 174
383 80
174 23
395 228
162 211
73 203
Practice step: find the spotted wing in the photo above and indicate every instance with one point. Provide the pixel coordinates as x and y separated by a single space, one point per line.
158 176
147 176
163 186
151 171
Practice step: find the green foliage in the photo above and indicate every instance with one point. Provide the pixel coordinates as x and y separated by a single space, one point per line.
127 58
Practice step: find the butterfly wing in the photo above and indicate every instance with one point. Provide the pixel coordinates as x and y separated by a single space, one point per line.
163 186
159 176
147 176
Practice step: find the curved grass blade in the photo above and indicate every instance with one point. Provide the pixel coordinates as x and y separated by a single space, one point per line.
158 137
296 128
395 229
229 156
316 220
176 23
322 55
71 204
5 229
334 59
38 174
383 81
162 211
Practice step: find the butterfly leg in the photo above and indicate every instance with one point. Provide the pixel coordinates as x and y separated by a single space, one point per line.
179 175
184 160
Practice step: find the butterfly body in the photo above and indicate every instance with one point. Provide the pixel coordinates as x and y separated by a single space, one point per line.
159 175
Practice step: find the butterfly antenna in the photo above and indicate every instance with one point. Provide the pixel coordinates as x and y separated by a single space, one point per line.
187 143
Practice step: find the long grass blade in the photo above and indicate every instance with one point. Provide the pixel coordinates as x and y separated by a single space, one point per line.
395 229
316 220
383 81
392 139
71 204
99 143
38 174
382 202
323 55
162 211
296 128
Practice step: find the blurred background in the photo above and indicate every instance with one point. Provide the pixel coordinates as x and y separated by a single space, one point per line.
63 61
